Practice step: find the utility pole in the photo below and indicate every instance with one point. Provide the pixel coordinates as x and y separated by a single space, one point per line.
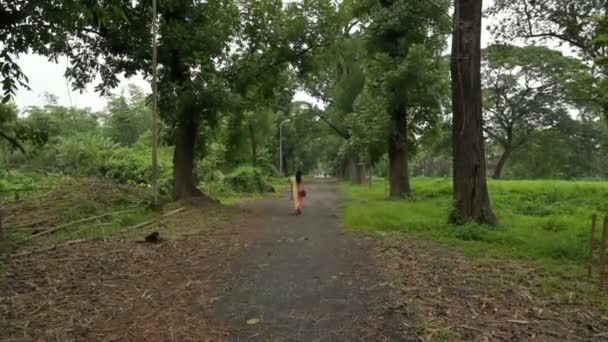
154 109
281 146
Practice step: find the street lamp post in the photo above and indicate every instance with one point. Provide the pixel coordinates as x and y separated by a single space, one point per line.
281 146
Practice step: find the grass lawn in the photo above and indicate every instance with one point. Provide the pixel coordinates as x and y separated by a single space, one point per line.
545 222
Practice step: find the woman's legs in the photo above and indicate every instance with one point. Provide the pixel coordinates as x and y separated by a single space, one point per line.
300 204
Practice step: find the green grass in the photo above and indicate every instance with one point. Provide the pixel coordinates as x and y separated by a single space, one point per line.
545 222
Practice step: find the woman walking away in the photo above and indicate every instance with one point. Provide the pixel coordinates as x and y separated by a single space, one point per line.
297 192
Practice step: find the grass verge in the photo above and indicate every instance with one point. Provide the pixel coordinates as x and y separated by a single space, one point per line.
545 223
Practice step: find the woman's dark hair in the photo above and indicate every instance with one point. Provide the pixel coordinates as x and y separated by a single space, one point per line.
299 176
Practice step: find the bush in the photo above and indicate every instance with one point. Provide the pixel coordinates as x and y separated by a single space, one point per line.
248 179
134 165
82 153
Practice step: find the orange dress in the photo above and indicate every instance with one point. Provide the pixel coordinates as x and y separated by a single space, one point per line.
296 192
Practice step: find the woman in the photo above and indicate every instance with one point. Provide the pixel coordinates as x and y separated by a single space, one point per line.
297 192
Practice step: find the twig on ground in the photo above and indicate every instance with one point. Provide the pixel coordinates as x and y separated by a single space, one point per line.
46 249
54 229
28 224
149 222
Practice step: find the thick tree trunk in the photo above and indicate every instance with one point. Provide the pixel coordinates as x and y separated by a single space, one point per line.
254 146
351 170
398 155
183 161
501 162
471 198
354 170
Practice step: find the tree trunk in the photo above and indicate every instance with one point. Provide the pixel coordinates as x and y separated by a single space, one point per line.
254 146
351 170
183 161
6 157
354 171
398 155
471 198
501 162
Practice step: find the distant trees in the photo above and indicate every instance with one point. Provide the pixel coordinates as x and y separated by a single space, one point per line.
383 80
128 117
582 25
336 78
524 90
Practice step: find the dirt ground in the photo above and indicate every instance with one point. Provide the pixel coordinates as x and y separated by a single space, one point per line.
456 298
119 289
257 273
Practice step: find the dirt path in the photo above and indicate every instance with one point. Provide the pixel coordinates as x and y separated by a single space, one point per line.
304 280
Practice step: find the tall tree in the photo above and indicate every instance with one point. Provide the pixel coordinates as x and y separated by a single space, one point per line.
471 197
337 79
405 39
581 25
524 88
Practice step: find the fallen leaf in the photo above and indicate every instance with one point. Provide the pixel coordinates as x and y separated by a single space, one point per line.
253 321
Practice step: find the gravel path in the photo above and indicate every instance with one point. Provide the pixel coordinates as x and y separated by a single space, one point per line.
302 279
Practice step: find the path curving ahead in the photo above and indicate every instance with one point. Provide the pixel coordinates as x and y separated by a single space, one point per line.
302 279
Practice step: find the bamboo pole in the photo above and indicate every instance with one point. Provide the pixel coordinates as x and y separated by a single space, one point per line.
84 220
591 245
603 253
149 222
154 108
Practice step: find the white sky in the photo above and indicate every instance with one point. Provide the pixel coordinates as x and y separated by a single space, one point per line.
47 77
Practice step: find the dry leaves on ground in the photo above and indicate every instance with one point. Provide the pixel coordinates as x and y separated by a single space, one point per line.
457 298
120 290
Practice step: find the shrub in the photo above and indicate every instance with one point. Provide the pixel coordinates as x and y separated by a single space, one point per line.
134 165
248 179
83 153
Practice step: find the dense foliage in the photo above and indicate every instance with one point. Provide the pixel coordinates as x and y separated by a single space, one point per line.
228 72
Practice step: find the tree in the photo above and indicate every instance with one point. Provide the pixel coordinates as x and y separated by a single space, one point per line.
337 78
405 39
207 52
471 198
8 128
572 148
524 88
127 117
580 24
15 133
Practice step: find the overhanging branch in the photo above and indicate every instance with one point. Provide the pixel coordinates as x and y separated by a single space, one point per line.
13 141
